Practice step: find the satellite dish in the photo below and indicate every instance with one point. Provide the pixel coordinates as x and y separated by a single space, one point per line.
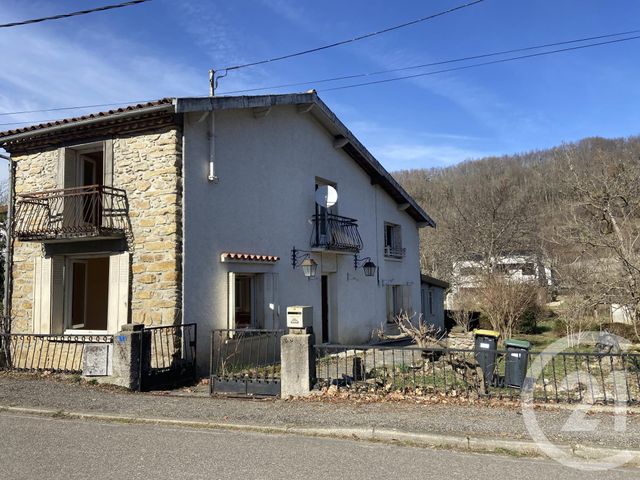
326 196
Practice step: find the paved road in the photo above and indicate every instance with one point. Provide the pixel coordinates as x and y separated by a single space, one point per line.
39 448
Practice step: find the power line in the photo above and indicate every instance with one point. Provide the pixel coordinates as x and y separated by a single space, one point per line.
78 107
432 64
387 71
73 14
465 67
351 40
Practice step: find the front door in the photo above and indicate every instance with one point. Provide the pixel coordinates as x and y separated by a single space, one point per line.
325 308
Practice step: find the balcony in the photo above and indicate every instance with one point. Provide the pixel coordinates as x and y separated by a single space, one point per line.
71 213
394 252
335 233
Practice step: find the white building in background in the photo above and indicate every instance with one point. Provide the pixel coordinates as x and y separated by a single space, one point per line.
197 210
521 267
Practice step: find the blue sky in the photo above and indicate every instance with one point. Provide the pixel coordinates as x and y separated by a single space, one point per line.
165 48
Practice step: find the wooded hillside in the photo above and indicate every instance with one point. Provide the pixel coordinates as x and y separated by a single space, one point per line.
536 201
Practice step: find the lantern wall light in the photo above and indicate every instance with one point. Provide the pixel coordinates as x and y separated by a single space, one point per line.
367 265
302 258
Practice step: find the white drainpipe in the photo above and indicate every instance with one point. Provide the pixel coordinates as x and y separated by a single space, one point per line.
212 148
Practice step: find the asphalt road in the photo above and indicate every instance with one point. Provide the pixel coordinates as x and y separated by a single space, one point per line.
48 448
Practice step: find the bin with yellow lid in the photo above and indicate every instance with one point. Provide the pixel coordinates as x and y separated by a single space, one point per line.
486 346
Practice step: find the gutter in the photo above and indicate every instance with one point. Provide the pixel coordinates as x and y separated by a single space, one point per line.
88 122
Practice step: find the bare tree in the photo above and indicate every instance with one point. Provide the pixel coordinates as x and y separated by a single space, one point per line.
504 301
604 220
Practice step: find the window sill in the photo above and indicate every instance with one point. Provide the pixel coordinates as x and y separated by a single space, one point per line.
87 332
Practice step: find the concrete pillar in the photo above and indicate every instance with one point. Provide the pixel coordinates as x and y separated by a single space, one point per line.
298 363
131 356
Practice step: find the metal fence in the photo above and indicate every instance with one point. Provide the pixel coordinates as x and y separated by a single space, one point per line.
170 354
561 377
53 353
245 362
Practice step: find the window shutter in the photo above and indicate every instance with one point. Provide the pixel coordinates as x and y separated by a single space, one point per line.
118 310
231 307
57 295
272 319
406 300
108 162
42 295
67 158
390 306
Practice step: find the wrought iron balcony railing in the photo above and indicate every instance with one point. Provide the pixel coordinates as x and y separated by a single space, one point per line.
394 252
91 211
333 232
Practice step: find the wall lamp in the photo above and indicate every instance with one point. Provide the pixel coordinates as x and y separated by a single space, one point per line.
367 265
302 258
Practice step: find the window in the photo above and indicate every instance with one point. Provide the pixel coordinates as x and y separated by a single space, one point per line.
81 292
252 300
398 301
393 241
430 302
244 315
87 293
528 269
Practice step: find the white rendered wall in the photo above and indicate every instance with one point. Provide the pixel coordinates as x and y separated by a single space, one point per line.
263 202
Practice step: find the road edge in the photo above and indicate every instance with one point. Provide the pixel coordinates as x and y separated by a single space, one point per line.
456 442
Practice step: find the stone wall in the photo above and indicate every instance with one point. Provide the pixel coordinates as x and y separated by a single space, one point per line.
149 167
35 172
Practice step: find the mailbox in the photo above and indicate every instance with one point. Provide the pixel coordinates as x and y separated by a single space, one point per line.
299 317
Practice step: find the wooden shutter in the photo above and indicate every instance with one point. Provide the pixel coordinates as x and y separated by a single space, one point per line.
108 163
390 307
57 295
42 295
67 168
231 301
406 300
118 309
270 305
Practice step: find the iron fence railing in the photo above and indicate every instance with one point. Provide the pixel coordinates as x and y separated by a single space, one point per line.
54 353
169 354
245 361
566 377
333 232
71 212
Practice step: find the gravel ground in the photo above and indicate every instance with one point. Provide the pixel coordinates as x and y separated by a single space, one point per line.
473 420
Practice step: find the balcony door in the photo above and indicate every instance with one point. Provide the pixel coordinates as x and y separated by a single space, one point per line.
322 215
82 168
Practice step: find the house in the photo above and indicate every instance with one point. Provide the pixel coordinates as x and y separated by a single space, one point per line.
432 295
205 210
519 267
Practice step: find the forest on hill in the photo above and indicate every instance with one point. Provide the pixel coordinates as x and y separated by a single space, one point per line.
577 206
525 202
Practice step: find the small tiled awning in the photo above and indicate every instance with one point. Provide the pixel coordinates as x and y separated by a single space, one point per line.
248 257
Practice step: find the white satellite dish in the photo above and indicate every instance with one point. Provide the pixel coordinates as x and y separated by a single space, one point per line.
326 196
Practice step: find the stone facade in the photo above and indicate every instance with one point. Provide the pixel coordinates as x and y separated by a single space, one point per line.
149 167
33 173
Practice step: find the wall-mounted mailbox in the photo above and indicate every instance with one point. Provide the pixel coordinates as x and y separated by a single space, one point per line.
299 317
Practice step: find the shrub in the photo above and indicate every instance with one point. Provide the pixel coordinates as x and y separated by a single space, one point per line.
620 329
